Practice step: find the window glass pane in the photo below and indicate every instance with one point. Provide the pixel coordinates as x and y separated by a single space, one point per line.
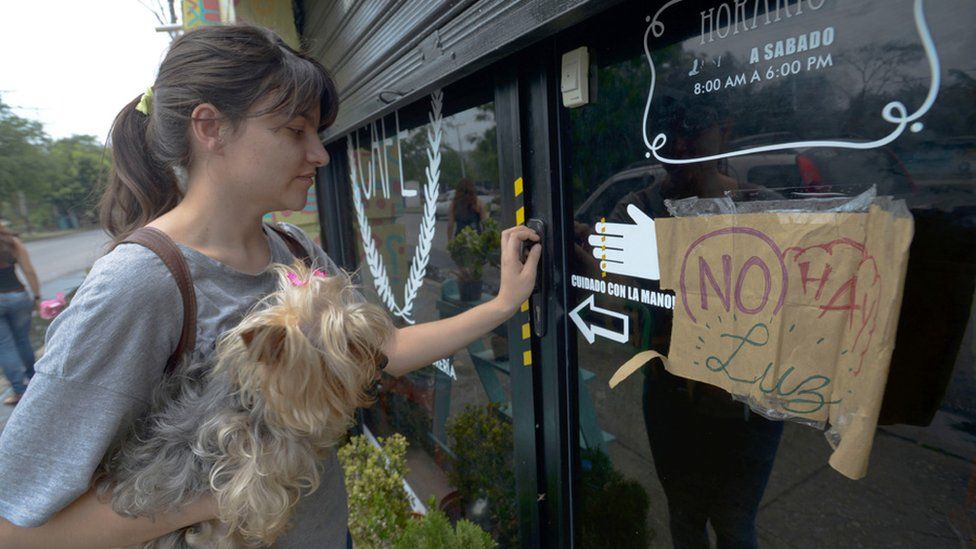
815 99
426 195
307 218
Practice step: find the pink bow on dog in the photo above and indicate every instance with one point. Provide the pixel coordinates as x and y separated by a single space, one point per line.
297 281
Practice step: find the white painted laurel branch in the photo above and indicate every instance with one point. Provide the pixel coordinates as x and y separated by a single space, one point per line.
373 259
421 255
418 265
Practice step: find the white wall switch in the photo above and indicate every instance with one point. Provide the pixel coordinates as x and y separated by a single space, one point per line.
575 82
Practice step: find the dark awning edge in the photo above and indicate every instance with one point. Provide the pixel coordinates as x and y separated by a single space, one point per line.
409 61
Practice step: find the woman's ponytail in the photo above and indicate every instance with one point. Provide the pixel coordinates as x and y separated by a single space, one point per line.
140 188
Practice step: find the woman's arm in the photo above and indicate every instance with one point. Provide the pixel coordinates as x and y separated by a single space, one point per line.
417 346
89 522
104 355
23 259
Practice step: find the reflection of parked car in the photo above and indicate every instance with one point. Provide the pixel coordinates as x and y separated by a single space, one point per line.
815 171
792 173
851 172
605 197
943 160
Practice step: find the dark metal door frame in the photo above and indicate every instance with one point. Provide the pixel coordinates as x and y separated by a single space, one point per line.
526 414
557 387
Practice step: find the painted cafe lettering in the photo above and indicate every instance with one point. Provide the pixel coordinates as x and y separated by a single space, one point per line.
744 15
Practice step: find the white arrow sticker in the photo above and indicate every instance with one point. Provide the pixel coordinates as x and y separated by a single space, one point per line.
628 249
590 332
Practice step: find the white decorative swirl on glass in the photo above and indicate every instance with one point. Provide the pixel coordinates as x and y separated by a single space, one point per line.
894 112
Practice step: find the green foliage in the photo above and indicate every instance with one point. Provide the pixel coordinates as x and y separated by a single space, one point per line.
613 509
378 505
471 535
81 165
22 148
482 443
43 180
471 251
434 531
479 158
379 513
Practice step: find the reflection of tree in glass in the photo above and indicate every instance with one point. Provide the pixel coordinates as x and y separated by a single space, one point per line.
876 75
882 68
480 163
484 157
953 117
606 134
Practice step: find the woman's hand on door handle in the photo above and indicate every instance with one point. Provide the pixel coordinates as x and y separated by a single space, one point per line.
517 278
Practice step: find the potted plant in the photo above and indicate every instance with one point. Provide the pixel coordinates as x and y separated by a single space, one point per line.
613 508
434 531
379 511
483 470
378 506
471 251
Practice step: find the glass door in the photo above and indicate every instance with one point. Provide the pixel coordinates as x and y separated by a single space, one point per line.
770 128
427 197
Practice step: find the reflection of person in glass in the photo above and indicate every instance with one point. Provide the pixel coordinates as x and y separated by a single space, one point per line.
466 210
712 454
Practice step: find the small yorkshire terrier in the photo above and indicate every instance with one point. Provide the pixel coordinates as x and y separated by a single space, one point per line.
252 426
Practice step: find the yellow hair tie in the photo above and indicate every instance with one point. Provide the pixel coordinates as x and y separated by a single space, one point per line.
145 102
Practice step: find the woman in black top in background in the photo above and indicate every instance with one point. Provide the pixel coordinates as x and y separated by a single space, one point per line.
16 303
466 210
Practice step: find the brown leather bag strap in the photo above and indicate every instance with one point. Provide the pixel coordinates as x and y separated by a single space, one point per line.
163 246
294 245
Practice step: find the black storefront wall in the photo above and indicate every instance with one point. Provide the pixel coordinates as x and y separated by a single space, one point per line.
384 60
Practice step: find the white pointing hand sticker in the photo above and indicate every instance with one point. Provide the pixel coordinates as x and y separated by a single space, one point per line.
625 249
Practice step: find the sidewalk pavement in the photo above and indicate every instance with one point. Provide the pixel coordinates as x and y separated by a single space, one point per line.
5 411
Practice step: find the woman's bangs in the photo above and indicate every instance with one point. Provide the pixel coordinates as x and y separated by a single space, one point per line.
300 86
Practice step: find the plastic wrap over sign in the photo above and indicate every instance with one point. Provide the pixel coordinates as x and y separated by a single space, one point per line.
791 312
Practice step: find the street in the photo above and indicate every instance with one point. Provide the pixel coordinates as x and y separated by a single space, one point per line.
61 262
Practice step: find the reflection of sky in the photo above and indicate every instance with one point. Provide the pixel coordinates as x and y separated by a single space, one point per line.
950 22
463 126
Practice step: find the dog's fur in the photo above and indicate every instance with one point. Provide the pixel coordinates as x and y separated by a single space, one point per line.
252 426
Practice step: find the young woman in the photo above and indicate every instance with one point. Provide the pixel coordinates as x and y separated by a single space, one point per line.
16 304
466 209
227 134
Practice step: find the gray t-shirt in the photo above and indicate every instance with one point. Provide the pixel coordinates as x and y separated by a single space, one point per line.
104 355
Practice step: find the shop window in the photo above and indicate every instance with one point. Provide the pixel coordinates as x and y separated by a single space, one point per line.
426 201
807 101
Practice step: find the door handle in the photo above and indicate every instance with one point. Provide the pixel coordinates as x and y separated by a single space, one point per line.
539 299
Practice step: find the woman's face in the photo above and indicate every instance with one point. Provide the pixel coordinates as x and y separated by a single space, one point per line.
270 161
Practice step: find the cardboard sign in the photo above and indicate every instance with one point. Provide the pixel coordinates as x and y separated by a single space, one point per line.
794 313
